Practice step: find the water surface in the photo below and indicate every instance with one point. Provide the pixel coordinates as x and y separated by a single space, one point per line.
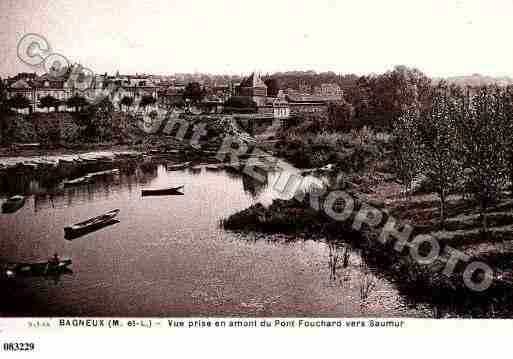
168 256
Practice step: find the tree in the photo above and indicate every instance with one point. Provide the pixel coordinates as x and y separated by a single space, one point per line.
3 92
273 86
97 119
194 92
439 147
19 102
49 101
405 148
105 107
481 143
240 104
127 101
175 102
147 100
153 115
341 115
4 109
507 130
77 102
379 100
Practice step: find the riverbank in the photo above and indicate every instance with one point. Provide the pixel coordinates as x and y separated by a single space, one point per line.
298 219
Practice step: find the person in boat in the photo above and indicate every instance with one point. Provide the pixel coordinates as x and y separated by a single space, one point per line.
55 260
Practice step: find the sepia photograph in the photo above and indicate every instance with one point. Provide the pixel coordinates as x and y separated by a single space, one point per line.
302 160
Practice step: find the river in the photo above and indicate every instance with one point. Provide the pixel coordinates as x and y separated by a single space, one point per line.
168 255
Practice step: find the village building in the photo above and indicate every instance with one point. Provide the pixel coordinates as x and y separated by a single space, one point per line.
331 90
34 88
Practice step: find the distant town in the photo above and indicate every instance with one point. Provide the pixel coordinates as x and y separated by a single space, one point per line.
197 94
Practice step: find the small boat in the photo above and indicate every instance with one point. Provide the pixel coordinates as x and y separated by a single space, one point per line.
162 191
77 181
178 166
91 225
196 169
49 267
18 146
13 204
214 168
90 177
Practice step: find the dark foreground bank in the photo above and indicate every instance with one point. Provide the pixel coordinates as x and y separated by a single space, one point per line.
299 219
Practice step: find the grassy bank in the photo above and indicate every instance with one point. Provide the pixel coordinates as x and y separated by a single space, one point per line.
309 145
421 282
65 129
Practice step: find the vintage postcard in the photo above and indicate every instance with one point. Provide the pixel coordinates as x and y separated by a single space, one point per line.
216 169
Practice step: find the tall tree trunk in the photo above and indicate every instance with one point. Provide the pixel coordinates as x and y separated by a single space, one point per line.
483 217
442 209
510 165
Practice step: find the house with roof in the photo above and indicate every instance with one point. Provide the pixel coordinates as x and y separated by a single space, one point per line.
35 90
289 102
254 87
307 104
36 87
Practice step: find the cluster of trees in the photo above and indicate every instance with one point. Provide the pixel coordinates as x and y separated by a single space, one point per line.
49 102
20 102
96 120
461 141
376 101
146 100
296 79
194 92
240 104
76 102
273 86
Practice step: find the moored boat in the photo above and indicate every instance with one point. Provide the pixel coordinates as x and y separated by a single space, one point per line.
13 204
162 191
91 225
90 177
177 166
214 168
49 267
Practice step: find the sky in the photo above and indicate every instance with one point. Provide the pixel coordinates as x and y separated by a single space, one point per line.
439 37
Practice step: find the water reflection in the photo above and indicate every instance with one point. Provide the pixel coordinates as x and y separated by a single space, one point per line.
338 260
252 186
168 256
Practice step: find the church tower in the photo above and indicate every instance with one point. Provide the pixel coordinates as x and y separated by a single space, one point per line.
254 87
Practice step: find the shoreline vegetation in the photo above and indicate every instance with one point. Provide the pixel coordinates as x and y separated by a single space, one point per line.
444 167
297 220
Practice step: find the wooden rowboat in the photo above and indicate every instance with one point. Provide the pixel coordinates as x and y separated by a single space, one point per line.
196 169
91 225
162 192
178 166
90 177
13 204
38 268
215 168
